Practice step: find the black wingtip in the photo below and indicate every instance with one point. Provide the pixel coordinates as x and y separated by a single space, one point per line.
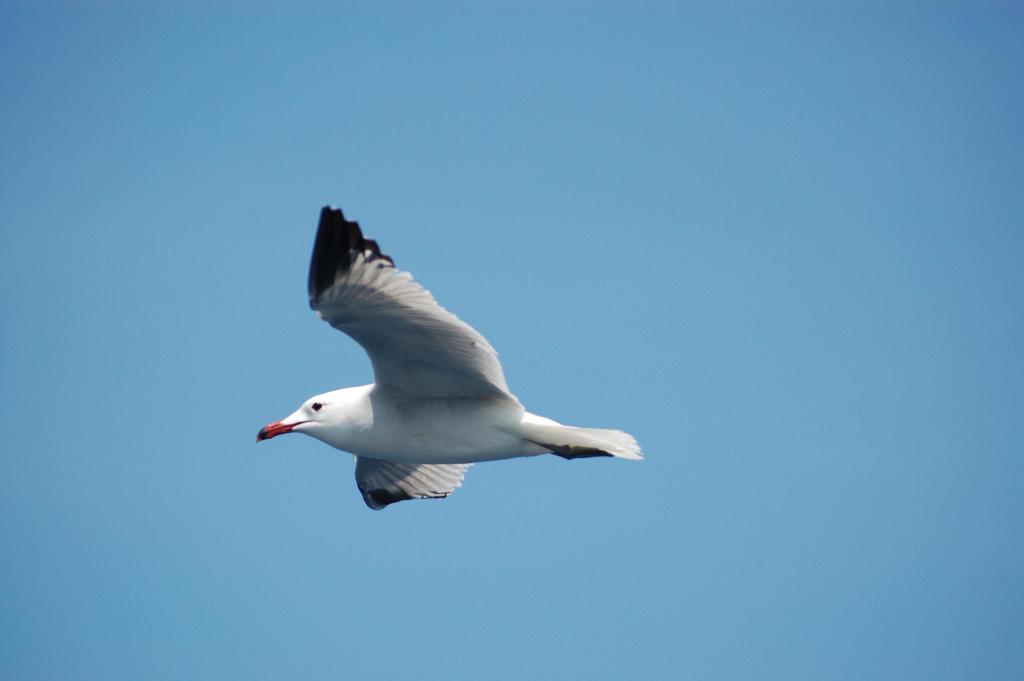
337 242
568 452
379 499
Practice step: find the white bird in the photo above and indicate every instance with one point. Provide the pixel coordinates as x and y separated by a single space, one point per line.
439 401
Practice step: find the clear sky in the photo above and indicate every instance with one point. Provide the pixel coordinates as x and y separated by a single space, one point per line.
782 244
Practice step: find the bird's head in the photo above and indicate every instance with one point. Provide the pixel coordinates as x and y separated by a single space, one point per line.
305 419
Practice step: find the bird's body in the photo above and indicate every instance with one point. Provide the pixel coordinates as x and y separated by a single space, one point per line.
439 401
435 430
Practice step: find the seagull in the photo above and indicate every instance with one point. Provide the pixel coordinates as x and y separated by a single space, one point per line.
439 401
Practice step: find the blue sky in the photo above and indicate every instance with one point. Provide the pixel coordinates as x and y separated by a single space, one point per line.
780 244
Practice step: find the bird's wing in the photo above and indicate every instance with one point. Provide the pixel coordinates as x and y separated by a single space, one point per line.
385 482
418 349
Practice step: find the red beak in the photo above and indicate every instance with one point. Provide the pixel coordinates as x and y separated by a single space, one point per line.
274 429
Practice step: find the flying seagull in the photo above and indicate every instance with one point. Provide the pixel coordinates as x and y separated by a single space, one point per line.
439 401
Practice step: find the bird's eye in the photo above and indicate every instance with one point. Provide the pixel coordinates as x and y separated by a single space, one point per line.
317 406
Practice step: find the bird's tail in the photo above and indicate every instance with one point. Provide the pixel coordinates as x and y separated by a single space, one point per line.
569 442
